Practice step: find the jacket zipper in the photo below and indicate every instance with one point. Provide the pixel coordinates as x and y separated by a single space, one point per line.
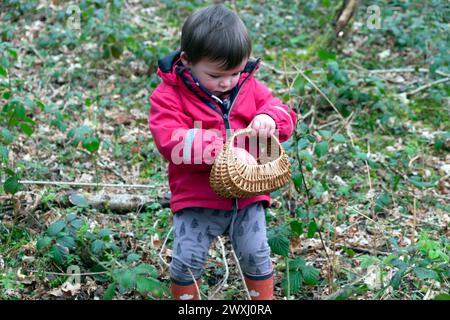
226 118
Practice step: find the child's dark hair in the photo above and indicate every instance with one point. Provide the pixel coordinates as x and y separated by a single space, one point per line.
217 34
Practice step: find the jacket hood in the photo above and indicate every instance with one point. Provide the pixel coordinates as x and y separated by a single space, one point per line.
167 68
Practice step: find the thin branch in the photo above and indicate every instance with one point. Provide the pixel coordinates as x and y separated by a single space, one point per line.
86 184
421 88
240 272
320 91
225 277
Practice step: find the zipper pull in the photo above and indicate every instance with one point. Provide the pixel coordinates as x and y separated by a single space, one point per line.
225 116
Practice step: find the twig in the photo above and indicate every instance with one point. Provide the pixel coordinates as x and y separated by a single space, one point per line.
413 236
86 184
196 285
225 277
163 246
71 274
413 92
320 91
240 272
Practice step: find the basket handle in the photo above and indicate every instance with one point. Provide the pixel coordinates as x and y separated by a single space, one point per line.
246 131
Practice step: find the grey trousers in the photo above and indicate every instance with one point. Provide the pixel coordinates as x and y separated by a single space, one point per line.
195 228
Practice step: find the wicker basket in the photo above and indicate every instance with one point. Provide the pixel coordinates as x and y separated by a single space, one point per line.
231 178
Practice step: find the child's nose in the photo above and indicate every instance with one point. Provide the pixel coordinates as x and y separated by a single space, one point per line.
225 83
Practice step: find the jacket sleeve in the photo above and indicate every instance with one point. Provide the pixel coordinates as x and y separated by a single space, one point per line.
285 119
175 135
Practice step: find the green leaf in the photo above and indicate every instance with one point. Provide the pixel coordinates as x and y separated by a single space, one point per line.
297 227
442 296
325 133
127 279
303 143
321 148
296 264
56 228
97 246
312 228
295 282
366 261
67 242
57 254
339 138
298 180
148 285
12 185
424 273
43 243
7 135
110 292
279 245
19 111
419 184
326 55
146 269
91 144
3 72
310 275
395 281
133 257
105 234
26 129
78 199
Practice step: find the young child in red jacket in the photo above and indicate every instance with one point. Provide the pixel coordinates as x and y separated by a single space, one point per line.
208 90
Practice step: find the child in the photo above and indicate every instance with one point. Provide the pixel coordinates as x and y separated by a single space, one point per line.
207 90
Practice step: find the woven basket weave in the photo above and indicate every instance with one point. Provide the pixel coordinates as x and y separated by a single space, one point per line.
231 178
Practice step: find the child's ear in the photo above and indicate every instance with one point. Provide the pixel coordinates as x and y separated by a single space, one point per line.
184 59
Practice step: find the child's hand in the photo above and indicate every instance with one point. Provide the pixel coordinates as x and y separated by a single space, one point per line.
264 125
244 156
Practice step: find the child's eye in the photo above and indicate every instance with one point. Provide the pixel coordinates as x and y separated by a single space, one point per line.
215 77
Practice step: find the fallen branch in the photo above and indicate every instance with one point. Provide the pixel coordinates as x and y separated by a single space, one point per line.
115 202
421 88
344 17
87 184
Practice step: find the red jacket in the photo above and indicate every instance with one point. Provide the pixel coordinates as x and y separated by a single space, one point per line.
182 114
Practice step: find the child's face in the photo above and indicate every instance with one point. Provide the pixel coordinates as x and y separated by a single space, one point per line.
213 77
